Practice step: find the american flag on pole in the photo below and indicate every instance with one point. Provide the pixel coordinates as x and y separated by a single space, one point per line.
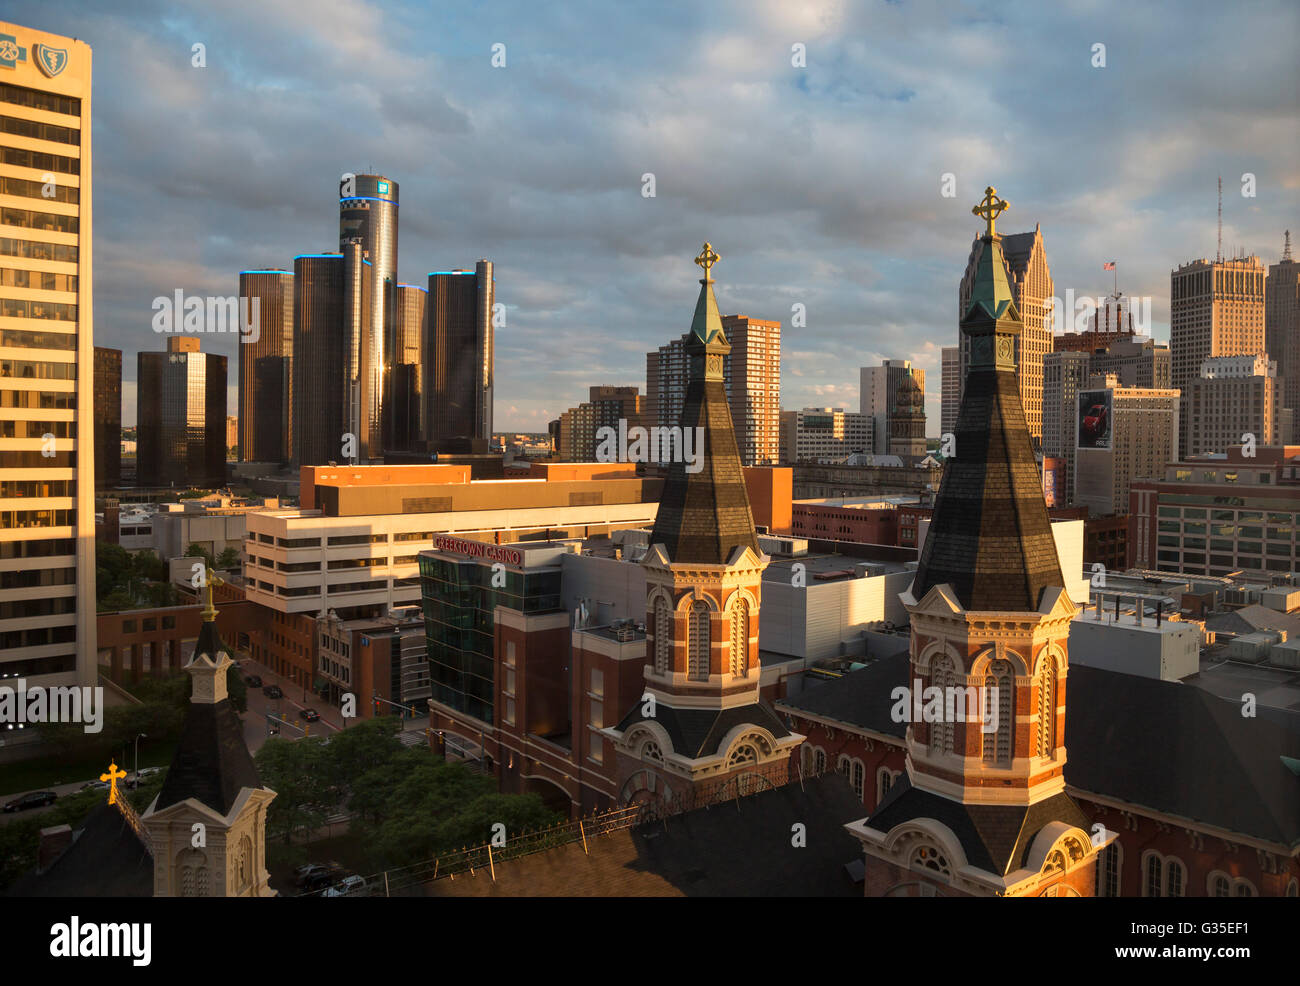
1108 265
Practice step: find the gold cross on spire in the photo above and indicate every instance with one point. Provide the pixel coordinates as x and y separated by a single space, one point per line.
990 208
210 579
707 259
114 774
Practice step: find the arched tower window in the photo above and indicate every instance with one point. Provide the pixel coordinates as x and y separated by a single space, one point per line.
740 639
245 862
193 874
698 640
941 677
999 699
1047 708
663 635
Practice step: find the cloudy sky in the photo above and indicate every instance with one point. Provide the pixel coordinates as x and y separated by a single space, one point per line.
818 185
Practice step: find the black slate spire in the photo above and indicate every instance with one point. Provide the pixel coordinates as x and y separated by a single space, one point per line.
705 515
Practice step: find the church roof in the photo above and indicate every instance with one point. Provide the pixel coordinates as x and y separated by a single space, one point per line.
106 859
697 733
705 515
211 763
990 537
1173 735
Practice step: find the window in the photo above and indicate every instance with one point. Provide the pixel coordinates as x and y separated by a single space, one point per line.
999 701
1175 875
1108 870
510 712
929 858
597 754
941 677
1047 707
740 639
663 634
597 683
1151 886
819 762
857 777
884 781
698 641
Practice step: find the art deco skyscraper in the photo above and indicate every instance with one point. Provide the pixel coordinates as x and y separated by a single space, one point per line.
266 367
181 416
368 216
458 354
1282 324
1216 308
47 447
1031 283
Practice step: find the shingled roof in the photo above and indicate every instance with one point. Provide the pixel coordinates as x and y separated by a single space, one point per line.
699 733
704 516
211 763
990 537
105 859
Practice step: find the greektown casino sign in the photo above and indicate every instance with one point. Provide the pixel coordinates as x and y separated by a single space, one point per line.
479 549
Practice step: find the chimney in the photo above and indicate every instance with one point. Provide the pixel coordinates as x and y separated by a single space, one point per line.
54 840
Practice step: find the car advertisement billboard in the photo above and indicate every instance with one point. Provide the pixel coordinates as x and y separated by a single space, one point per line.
1095 419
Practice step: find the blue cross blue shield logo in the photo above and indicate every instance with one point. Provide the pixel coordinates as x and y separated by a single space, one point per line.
52 61
11 52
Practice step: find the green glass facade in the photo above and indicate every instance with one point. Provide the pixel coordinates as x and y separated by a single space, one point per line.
459 601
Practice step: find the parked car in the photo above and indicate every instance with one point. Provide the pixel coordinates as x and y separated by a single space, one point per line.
144 775
253 681
272 691
308 871
309 715
349 886
36 799
94 786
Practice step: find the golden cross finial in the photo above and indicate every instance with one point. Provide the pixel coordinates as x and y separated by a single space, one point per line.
990 208
209 580
112 777
707 259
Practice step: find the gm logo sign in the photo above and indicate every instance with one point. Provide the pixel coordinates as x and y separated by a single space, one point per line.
11 52
383 188
51 61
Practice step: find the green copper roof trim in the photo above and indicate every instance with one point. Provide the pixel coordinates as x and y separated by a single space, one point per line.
707 323
991 290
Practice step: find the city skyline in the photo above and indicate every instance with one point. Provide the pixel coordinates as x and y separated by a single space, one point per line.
823 210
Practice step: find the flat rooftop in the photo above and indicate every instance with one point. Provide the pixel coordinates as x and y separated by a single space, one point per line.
1273 688
827 566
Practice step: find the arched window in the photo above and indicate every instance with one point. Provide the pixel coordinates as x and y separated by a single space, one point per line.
1244 888
884 781
1293 889
819 762
941 677
1108 870
245 862
698 641
1151 886
740 639
1047 707
929 858
857 777
1220 886
999 700
194 874
742 754
1175 877
650 751
663 635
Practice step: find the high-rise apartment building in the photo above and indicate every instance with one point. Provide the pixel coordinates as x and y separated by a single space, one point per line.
579 426
817 433
1233 397
1216 308
950 381
266 367
1282 324
108 418
181 416
1123 434
1031 283
1136 362
752 377
368 216
458 357
881 387
1064 375
404 408
47 511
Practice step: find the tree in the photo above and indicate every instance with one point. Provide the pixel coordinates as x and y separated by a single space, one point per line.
198 551
229 558
116 600
296 771
146 565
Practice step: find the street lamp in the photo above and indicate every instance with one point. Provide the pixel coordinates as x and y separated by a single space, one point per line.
137 755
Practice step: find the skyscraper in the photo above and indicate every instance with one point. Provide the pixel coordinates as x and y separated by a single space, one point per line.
752 375
368 216
47 485
181 416
266 367
404 410
108 418
1064 375
1123 434
1233 396
950 363
578 426
1216 308
881 387
1282 324
1031 283
458 356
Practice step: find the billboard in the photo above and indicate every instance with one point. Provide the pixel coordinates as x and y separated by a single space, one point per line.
1096 417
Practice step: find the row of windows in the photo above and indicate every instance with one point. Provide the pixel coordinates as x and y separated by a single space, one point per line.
46 400
31 219
39 637
38 460
37 576
37 370
11 246
39 100
12 277
149 624
23 339
38 189
37 429
48 487
39 131
34 548
56 310
26 608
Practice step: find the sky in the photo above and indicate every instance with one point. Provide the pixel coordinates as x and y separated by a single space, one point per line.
820 184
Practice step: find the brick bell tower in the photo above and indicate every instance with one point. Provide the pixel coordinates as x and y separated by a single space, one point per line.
700 731
982 810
